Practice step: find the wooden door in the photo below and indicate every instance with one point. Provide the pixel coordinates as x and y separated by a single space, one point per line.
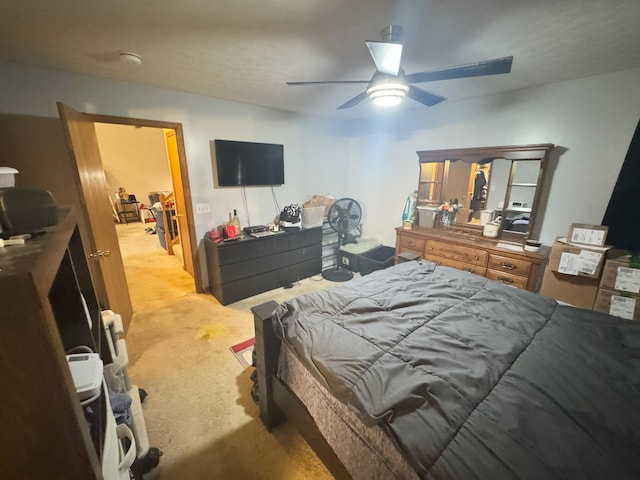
101 242
179 198
457 187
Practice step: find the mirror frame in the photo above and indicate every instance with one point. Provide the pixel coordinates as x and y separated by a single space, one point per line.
540 152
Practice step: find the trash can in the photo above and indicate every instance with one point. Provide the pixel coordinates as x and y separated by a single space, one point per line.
376 259
349 254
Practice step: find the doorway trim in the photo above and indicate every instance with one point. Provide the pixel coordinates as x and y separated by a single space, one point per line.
184 174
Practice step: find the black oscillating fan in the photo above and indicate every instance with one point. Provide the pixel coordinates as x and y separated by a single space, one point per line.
344 216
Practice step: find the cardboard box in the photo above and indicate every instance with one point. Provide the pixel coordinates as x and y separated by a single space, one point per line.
575 290
318 201
625 305
619 276
585 234
577 260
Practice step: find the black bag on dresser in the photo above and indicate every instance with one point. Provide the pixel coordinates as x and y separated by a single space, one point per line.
24 210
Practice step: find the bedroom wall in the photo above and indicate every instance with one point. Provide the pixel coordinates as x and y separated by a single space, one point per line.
134 158
313 147
591 120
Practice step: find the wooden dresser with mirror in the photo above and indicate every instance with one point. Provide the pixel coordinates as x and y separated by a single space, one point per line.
501 186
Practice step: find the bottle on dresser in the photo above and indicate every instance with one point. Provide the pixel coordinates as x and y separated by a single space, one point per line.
234 221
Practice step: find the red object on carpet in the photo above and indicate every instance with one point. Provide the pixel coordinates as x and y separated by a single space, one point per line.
243 350
241 346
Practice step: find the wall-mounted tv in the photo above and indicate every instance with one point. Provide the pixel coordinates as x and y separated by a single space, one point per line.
248 163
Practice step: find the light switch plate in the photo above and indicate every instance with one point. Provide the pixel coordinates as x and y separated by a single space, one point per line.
203 208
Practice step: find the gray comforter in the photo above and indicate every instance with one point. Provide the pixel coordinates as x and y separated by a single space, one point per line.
474 379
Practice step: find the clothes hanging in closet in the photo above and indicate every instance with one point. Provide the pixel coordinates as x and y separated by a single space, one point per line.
478 185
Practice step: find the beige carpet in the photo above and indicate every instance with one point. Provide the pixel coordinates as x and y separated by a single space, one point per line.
199 410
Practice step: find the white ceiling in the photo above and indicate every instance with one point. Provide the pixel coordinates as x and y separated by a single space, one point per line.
245 50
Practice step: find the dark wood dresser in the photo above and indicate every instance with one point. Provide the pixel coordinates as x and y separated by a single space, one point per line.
245 267
47 298
494 259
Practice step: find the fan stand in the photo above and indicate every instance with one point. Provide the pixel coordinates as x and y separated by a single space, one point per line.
337 274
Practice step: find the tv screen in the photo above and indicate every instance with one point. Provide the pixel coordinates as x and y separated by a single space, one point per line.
249 163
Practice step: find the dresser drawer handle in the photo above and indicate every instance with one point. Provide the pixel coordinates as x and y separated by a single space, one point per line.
506 280
507 266
412 244
470 270
477 257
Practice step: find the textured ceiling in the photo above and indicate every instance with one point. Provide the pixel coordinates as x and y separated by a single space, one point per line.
245 50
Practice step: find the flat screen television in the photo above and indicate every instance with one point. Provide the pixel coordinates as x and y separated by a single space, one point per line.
248 163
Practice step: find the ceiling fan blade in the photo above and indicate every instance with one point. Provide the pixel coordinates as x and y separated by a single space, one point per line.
386 56
426 98
327 82
354 101
478 69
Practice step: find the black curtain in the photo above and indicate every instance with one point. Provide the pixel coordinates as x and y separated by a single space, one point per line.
623 212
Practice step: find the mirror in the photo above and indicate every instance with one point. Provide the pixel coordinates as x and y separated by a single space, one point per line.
489 184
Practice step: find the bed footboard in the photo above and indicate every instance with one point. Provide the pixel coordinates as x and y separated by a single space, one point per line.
277 402
267 349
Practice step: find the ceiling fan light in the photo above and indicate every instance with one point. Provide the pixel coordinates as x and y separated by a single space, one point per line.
387 101
387 94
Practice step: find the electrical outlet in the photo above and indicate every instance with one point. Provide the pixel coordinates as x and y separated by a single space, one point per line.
203 208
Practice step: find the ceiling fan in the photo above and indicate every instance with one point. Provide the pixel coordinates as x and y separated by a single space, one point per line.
389 84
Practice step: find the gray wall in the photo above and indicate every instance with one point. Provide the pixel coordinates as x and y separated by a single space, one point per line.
591 120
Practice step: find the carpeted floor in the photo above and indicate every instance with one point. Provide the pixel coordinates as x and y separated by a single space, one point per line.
199 410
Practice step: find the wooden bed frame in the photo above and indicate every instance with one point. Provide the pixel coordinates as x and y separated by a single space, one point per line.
277 402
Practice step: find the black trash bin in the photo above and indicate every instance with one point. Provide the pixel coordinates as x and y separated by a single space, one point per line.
376 259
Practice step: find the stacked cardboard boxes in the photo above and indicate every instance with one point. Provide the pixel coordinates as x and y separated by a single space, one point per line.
575 265
619 289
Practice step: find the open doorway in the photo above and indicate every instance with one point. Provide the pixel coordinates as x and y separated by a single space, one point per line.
140 165
82 143
65 161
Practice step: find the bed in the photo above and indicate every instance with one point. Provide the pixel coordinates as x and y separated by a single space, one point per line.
426 372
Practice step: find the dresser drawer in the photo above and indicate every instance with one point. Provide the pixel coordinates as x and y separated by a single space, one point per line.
466 255
415 252
447 262
507 278
509 265
413 244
